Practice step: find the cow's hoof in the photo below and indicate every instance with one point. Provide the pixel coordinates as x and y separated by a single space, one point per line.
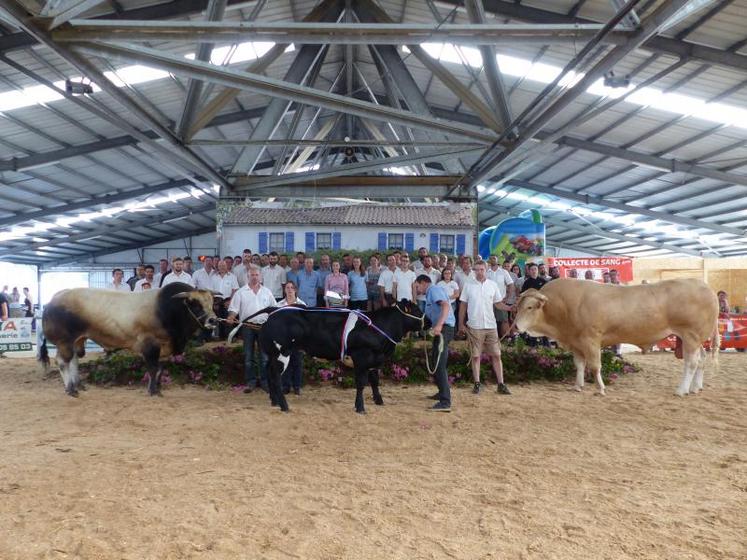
361 411
578 388
155 393
679 393
379 401
72 393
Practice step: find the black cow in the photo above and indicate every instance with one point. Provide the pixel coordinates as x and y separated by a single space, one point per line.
153 323
318 332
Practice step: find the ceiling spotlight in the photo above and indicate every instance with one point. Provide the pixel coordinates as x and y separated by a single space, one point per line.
612 81
78 88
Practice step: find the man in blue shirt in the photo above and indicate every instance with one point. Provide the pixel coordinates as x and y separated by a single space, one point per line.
308 283
438 310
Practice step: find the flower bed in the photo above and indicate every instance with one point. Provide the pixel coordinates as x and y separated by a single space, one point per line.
221 367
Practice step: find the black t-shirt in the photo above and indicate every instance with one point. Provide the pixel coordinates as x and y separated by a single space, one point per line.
535 283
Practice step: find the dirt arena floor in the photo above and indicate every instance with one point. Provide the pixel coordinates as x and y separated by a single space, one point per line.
543 474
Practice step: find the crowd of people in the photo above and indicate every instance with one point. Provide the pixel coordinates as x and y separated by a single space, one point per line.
462 298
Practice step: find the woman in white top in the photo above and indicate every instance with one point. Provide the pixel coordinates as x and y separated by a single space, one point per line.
449 284
293 374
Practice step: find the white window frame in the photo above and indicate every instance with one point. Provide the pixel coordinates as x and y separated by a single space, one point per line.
441 248
327 246
271 247
394 247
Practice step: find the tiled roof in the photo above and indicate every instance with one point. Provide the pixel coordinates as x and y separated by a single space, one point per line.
452 216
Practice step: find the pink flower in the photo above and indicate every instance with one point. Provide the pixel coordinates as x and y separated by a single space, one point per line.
451 379
399 373
613 376
177 358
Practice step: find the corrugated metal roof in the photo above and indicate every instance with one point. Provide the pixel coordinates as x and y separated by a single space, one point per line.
56 183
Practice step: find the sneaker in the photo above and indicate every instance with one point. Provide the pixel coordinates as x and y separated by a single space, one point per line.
476 389
503 389
248 389
441 407
435 397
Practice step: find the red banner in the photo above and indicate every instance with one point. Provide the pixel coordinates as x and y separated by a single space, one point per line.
597 266
731 327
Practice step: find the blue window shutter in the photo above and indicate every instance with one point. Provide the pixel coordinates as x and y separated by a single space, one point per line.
262 241
433 248
310 241
409 242
461 243
336 240
290 244
382 241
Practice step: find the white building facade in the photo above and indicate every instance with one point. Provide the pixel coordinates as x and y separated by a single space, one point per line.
439 228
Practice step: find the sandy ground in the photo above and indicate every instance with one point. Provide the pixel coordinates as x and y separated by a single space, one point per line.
545 473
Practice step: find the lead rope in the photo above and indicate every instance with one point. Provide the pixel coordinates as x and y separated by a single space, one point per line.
440 351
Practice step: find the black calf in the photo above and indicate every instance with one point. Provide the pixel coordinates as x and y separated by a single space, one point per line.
318 332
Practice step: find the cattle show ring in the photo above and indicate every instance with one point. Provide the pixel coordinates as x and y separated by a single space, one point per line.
373 280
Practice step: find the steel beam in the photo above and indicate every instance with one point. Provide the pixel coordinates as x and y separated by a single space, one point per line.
73 11
649 27
476 14
215 11
106 231
178 152
277 88
252 184
173 9
91 202
628 208
669 165
54 156
323 10
662 45
300 69
383 33
355 191
129 246
368 11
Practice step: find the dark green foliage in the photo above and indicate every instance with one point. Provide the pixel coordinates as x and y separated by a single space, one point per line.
223 366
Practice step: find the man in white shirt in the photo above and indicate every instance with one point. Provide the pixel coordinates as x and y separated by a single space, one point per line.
177 274
386 281
117 283
163 270
477 301
273 276
418 265
501 276
245 302
242 272
404 278
465 273
204 277
430 272
224 283
149 279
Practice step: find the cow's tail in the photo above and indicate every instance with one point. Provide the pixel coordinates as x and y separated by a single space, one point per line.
715 344
44 355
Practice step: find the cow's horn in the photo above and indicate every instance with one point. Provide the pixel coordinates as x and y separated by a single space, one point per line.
181 295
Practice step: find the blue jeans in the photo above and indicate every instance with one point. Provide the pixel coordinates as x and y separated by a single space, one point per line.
250 364
442 376
293 374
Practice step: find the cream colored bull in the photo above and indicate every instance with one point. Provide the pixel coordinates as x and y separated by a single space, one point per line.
585 316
